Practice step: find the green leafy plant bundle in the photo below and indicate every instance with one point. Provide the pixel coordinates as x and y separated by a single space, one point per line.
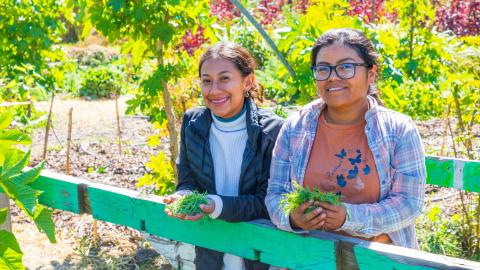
299 195
188 204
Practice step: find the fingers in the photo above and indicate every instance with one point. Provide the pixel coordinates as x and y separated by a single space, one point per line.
170 198
311 221
303 207
193 218
329 206
208 208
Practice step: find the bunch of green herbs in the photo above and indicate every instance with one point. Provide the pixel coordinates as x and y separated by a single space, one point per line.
188 204
300 195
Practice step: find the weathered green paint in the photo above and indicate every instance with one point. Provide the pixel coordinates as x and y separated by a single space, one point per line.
243 239
439 172
471 176
371 260
60 192
249 240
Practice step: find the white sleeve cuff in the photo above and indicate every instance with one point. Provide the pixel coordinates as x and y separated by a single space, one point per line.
218 206
183 192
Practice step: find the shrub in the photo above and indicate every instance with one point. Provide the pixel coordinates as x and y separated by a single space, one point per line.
100 82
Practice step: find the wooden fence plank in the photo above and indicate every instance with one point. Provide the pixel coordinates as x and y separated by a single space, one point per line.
60 191
453 172
259 239
253 240
381 256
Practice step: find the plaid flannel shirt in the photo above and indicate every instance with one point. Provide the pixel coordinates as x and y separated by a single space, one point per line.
399 157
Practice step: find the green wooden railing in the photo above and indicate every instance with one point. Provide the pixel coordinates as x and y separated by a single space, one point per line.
258 239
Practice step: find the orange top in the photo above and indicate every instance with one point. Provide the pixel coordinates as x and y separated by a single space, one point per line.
341 162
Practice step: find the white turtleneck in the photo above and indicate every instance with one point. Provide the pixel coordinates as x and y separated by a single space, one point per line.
228 138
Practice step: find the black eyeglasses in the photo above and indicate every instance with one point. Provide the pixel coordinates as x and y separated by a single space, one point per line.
344 71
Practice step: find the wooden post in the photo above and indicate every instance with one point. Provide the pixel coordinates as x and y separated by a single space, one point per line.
49 119
5 203
119 131
69 141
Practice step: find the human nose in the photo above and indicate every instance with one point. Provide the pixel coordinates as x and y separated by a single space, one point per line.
334 74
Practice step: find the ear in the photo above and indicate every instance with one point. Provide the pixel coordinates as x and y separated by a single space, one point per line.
249 81
372 74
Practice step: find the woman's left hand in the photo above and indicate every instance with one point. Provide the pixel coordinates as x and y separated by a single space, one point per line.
207 209
336 215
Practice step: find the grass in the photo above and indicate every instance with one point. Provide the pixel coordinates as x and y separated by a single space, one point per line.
188 204
300 195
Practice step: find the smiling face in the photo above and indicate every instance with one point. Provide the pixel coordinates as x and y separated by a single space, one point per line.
342 94
223 87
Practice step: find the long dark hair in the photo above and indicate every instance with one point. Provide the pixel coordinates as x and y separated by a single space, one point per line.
356 40
239 56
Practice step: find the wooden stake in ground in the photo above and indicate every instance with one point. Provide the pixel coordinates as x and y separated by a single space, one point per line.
49 119
119 131
5 203
69 141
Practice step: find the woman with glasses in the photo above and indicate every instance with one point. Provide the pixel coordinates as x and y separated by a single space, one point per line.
226 148
347 143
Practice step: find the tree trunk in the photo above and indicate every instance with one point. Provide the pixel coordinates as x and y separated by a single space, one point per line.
5 203
171 119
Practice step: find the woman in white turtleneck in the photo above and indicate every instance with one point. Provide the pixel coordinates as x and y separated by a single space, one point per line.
225 148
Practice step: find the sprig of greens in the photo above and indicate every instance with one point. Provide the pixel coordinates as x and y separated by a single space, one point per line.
291 201
188 204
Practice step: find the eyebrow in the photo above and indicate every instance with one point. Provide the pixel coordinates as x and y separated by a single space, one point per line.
220 73
339 61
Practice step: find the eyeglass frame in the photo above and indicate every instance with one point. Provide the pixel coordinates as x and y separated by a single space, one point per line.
312 68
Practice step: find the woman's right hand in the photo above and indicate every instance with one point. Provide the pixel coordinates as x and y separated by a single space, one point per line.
313 220
206 209
169 200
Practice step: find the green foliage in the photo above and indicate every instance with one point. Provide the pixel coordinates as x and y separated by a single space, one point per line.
439 233
153 30
301 195
16 183
161 175
10 252
100 82
188 204
29 29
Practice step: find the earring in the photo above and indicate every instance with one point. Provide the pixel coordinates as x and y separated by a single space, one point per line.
247 94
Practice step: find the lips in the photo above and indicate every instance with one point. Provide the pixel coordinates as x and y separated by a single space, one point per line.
336 89
218 101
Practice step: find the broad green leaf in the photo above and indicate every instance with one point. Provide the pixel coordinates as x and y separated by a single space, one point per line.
9 171
3 215
9 157
24 196
5 119
116 5
29 176
12 137
44 222
10 252
138 50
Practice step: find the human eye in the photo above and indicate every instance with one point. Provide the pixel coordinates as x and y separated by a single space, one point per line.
322 69
224 79
206 82
346 67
